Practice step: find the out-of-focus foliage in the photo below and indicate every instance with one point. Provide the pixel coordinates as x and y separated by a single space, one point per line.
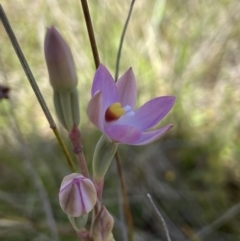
190 49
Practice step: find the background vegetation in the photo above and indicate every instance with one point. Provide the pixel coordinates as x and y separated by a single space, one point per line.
189 49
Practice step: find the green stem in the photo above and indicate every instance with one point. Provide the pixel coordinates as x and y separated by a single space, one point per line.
90 32
122 39
64 149
33 83
126 206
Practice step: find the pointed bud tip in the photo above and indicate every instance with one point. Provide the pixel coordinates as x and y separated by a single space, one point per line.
59 59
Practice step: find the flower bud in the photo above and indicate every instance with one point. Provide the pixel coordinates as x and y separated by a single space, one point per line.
102 226
102 157
77 195
59 59
63 78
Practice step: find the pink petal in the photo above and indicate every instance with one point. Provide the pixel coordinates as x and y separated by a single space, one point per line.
95 111
150 136
122 133
127 89
104 82
70 201
152 112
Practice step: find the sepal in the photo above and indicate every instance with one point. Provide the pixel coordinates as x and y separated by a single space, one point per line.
102 157
78 223
67 108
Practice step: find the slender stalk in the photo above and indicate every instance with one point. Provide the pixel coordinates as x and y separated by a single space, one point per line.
82 164
64 148
97 62
122 39
33 83
79 154
126 206
161 217
76 140
90 32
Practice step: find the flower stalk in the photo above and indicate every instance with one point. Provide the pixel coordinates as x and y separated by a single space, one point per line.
77 147
126 206
91 36
122 39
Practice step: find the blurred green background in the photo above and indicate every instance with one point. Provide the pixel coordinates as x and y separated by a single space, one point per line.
189 49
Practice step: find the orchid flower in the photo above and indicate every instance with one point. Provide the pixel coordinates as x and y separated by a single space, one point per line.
112 109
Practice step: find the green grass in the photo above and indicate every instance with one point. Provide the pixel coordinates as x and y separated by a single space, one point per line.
189 49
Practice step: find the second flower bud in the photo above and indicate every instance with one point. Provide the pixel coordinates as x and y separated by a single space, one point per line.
77 195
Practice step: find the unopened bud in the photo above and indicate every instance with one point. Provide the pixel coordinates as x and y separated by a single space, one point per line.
102 157
59 59
77 195
102 226
63 78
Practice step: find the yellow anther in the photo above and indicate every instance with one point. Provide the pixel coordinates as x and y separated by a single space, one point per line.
114 111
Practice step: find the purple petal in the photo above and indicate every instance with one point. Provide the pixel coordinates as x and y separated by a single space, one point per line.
127 89
104 82
150 136
152 112
123 134
95 111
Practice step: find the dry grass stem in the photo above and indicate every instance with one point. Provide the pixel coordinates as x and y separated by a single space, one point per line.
161 217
